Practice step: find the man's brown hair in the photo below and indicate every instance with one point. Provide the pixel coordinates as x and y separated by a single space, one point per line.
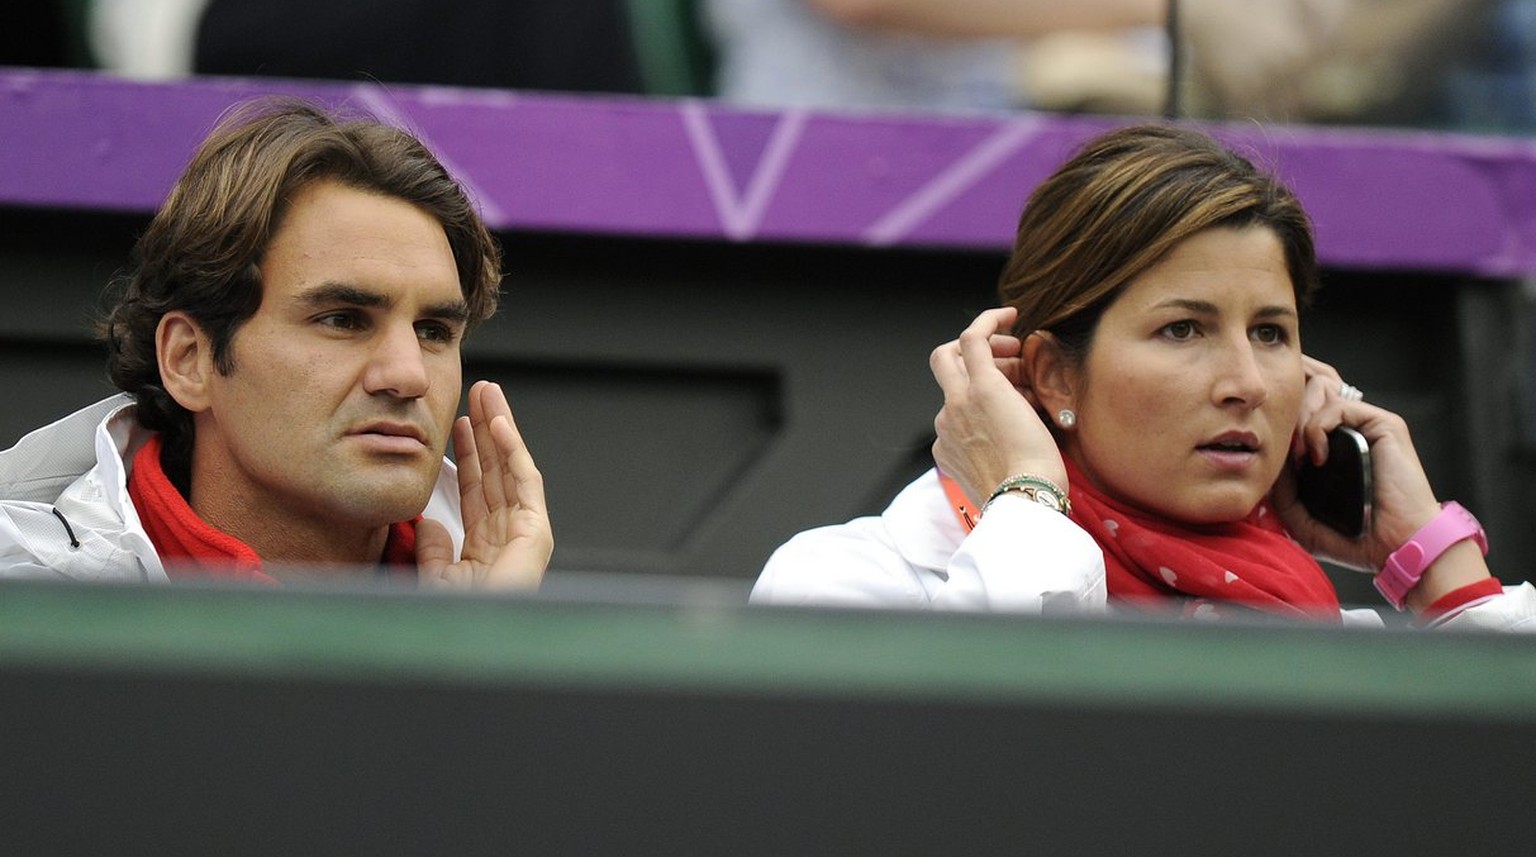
201 252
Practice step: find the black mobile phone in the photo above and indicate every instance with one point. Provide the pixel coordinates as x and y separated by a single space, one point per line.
1339 492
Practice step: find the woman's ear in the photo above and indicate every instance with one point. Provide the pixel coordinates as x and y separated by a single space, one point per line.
1048 373
185 357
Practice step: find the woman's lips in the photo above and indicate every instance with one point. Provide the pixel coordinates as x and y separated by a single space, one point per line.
1228 459
1233 450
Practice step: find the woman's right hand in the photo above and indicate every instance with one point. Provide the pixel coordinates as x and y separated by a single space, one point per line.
988 429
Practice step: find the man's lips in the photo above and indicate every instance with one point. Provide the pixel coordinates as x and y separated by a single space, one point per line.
392 436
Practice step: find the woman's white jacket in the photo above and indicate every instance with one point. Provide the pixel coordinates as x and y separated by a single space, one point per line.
1021 557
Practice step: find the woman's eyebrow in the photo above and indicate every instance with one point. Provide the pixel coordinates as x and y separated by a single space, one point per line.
1190 305
1276 311
1200 307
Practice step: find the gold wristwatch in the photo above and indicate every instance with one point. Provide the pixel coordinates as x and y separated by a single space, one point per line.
1036 488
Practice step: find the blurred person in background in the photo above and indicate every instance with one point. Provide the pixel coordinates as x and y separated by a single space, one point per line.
1491 82
568 45
915 54
1426 63
1380 62
1272 60
37 34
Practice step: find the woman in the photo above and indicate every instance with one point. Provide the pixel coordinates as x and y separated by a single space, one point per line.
1153 388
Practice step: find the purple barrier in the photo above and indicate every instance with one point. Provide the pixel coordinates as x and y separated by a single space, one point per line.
697 169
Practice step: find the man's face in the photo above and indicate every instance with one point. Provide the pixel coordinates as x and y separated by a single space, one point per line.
346 379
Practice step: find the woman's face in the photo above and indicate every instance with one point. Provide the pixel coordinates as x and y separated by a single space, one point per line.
1190 392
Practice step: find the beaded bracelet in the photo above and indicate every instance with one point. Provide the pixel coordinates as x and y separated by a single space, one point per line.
1037 488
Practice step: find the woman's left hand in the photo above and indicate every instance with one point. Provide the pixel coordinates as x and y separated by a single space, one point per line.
1403 499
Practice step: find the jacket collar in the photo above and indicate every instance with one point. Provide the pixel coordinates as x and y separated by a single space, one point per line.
44 462
80 464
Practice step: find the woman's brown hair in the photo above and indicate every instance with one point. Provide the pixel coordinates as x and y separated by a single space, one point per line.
1118 207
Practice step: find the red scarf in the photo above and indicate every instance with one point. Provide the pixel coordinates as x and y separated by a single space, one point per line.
1151 563
192 548
1252 562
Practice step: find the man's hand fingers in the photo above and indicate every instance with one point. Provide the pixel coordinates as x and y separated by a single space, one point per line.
483 400
507 538
471 497
521 480
521 565
434 552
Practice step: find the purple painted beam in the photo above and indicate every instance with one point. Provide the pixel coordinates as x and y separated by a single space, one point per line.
702 170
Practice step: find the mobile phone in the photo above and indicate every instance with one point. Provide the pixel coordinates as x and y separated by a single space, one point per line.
1339 492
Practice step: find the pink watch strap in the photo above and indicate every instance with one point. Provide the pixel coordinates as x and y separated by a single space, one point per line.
1406 565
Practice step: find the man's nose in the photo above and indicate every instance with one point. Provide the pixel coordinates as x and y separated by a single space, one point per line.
396 366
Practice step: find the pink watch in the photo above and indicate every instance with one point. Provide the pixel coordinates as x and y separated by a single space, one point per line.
1406 565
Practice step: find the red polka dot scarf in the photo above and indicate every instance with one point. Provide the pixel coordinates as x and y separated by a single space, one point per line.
1152 563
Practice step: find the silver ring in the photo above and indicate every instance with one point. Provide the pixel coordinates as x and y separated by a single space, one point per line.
1350 393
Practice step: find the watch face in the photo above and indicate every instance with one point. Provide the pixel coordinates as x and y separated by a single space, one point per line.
1047 499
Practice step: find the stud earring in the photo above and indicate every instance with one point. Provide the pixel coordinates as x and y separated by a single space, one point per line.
1067 417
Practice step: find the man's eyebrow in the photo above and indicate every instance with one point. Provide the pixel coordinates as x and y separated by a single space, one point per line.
330 294
341 293
454 311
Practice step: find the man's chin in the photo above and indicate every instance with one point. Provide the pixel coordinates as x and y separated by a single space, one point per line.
380 508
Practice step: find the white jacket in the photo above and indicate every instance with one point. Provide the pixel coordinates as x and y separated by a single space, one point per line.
64 506
1021 557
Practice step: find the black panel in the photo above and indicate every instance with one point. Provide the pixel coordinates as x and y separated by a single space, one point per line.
149 764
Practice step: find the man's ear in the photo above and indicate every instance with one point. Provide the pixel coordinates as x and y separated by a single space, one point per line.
1050 375
185 356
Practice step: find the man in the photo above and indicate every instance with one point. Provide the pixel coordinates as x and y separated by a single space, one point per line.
287 340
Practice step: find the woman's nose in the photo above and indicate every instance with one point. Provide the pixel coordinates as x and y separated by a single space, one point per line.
1240 377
